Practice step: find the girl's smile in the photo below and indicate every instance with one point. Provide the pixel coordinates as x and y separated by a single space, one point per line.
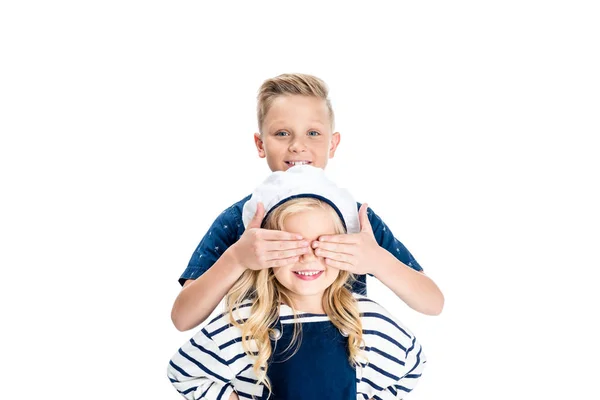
308 275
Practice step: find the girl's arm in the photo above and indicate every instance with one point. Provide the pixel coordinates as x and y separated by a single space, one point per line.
198 371
414 363
395 358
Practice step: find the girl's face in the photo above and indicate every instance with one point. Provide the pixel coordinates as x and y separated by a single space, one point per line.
310 276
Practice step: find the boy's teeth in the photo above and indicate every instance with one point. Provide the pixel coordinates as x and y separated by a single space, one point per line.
298 162
307 273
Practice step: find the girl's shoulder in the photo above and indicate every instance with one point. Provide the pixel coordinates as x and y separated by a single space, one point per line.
366 304
222 322
377 319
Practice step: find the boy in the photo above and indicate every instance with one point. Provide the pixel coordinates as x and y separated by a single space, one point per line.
296 127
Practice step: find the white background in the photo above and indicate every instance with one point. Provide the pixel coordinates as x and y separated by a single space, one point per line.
471 127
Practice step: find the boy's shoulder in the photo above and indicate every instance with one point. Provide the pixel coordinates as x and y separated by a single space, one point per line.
237 207
232 215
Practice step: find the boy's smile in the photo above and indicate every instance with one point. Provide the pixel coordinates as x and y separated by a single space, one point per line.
292 163
297 131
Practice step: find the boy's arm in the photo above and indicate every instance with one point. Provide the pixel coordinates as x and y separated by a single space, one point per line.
210 274
415 288
199 297
396 268
360 253
256 249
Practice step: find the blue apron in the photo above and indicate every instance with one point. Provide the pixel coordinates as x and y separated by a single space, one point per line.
319 368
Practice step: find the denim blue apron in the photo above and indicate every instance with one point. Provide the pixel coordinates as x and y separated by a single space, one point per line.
316 367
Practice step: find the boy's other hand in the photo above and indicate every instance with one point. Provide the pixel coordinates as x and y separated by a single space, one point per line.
265 248
355 252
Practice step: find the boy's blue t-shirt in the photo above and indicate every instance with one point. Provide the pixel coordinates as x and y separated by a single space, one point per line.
229 227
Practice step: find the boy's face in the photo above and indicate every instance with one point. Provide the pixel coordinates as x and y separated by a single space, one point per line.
297 130
310 276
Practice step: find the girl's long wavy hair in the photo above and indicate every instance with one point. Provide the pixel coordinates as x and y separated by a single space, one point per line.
267 294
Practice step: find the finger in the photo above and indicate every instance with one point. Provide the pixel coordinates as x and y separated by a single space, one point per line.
271 234
279 245
283 254
351 238
335 247
339 265
363 218
258 216
330 255
282 262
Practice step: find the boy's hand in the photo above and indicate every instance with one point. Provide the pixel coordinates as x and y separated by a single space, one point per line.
265 248
356 252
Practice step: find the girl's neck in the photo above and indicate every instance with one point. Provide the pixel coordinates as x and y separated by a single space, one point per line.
308 304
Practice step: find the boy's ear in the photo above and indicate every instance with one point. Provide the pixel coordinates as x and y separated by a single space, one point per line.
335 141
260 146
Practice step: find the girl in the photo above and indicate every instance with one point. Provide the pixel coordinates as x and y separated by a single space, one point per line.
298 332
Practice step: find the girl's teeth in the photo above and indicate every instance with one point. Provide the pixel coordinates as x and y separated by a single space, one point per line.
307 273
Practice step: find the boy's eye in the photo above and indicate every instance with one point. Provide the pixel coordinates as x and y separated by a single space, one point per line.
313 133
281 133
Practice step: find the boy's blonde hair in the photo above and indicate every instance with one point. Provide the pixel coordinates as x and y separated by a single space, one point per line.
267 294
291 84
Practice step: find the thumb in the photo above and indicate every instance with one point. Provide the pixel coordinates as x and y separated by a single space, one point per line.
363 218
258 216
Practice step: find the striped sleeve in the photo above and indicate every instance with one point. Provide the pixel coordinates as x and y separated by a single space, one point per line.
198 371
395 359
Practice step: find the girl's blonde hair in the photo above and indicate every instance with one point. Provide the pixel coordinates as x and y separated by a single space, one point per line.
290 84
267 294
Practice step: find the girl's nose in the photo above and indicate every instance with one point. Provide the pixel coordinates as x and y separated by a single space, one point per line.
310 256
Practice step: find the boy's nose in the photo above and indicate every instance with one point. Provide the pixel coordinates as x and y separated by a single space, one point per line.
297 145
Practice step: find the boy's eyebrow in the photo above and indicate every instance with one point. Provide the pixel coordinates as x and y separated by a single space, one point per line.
280 121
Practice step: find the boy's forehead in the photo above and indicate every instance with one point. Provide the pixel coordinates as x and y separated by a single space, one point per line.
288 109
310 121
296 104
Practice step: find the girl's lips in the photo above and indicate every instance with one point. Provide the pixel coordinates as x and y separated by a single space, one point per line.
308 277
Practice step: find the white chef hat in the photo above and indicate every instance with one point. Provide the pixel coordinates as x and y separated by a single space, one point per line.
302 181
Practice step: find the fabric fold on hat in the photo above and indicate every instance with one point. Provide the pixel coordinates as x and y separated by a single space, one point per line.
302 181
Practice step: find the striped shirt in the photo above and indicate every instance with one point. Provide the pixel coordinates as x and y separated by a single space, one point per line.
213 364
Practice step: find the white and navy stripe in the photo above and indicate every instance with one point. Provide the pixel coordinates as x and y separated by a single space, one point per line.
395 358
213 363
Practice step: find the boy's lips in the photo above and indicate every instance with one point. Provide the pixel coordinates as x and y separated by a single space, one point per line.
292 163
